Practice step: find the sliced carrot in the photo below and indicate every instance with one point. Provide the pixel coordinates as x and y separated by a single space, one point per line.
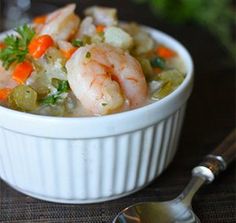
39 45
40 19
100 28
165 52
67 54
4 92
22 72
2 45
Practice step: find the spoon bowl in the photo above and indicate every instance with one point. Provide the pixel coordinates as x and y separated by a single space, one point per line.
180 210
161 212
177 210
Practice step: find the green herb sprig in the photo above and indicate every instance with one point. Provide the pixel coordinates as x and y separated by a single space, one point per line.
217 16
77 43
16 46
63 87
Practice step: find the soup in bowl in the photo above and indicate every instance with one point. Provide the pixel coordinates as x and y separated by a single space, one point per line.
91 111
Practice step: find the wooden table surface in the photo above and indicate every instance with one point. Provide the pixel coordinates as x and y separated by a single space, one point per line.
209 118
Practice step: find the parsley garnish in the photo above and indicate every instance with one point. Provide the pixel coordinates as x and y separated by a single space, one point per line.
63 87
16 46
77 43
88 55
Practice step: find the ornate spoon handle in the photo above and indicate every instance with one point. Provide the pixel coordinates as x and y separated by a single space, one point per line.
212 165
221 157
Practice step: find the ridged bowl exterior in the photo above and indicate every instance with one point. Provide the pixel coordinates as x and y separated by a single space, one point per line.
88 170
93 159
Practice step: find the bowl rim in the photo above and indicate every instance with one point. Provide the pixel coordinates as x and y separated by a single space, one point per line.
188 79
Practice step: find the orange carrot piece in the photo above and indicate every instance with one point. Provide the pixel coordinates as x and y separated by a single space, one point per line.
22 72
165 52
67 54
4 92
2 45
40 19
39 46
100 28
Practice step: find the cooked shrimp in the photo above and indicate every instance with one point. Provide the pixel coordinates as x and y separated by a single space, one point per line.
103 15
87 27
61 24
103 78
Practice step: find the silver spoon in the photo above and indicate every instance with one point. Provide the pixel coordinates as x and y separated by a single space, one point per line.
180 210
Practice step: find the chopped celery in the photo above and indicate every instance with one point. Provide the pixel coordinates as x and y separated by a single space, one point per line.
98 38
117 37
170 79
23 98
86 39
143 43
173 75
146 66
165 89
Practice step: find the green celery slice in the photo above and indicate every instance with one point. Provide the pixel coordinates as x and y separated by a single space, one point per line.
23 98
170 79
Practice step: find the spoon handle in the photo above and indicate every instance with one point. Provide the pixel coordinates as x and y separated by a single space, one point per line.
212 165
218 159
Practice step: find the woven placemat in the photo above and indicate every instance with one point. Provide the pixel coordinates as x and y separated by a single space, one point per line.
210 116
213 204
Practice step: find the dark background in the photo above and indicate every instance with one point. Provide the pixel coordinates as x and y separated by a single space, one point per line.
209 118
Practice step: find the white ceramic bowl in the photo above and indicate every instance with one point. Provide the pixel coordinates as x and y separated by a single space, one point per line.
93 159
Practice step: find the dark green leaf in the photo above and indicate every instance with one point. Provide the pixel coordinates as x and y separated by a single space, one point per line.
77 43
16 46
62 87
50 100
26 33
158 62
